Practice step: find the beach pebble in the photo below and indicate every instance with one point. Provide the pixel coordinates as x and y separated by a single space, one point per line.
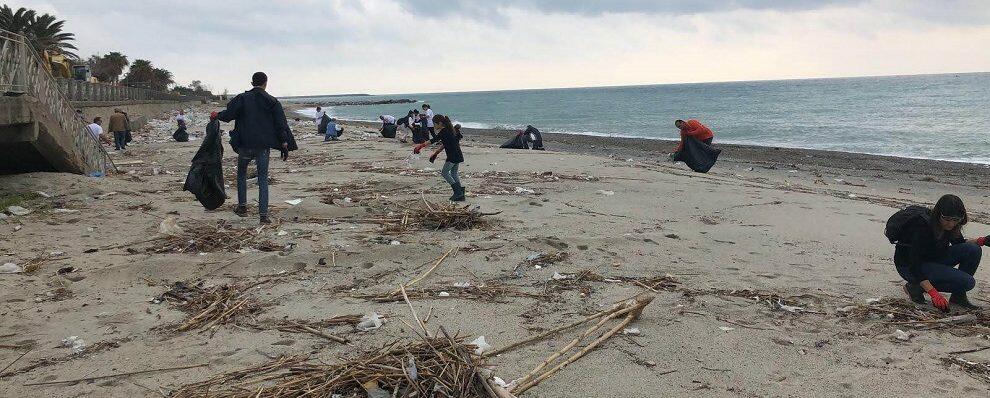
902 335
10 268
18 211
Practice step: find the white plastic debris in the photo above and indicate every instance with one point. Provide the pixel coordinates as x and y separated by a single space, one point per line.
852 196
371 321
395 243
498 381
524 190
169 226
789 308
462 284
294 201
411 369
18 211
43 194
606 192
873 300
10 268
558 276
631 331
282 232
847 308
532 257
348 200
64 211
902 335
75 342
481 345
726 328
444 294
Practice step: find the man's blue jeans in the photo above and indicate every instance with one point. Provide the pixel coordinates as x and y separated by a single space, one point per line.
244 158
944 275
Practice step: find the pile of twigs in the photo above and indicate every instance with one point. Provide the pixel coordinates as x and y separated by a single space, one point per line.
977 370
313 328
441 366
902 312
214 306
214 236
545 259
435 217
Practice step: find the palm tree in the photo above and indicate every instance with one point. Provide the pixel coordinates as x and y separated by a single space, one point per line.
108 68
16 21
163 79
140 74
44 32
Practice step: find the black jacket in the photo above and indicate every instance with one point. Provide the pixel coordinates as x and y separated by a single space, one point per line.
259 121
921 246
451 144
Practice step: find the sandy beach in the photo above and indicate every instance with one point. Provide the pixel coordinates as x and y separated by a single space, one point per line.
771 274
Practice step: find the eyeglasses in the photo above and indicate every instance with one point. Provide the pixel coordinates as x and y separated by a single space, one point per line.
953 219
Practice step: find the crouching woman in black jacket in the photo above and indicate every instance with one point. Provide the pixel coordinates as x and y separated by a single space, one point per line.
932 248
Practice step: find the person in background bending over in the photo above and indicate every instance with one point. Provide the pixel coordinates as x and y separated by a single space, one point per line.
693 129
331 134
96 130
931 247
450 140
180 120
260 127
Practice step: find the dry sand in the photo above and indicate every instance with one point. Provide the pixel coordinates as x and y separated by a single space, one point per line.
801 227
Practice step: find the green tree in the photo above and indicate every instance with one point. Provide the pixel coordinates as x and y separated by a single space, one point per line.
162 79
140 74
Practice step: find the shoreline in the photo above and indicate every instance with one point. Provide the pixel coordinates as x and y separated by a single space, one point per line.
742 155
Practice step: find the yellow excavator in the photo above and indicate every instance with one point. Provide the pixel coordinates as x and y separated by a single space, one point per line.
57 64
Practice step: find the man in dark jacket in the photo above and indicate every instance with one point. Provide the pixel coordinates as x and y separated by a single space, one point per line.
259 127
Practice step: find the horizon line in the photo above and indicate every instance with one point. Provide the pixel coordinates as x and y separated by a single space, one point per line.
641 85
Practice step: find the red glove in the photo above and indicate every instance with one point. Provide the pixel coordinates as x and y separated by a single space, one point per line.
938 301
419 147
434 157
213 115
982 241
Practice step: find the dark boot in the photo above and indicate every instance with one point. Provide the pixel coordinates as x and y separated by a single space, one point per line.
241 210
458 193
915 292
265 220
961 300
453 189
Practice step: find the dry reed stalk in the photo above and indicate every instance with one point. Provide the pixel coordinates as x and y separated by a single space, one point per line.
214 236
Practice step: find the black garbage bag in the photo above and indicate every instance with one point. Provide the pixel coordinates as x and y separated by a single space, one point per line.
517 142
324 121
205 178
698 155
535 137
420 134
388 131
180 134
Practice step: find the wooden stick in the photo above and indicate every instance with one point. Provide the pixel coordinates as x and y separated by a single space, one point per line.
14 361
413 310
425 274
44 383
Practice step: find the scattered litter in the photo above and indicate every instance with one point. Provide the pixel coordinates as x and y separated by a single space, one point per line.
371 321
294 201
726 328
395 243
524 191
348 200
481 346
10 268
462 285
873 300
43 194
282 232
852 196
75 343
18 227
631 331
64 211
18 211
605 192
169 227
444 294
789 308
902 335
558 276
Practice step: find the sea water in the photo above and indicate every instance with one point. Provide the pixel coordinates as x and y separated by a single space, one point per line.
944 116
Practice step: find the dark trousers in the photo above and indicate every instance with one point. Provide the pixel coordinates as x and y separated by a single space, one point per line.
120 139
244 158
944 275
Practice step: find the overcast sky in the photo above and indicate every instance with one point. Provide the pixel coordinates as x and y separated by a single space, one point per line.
406 46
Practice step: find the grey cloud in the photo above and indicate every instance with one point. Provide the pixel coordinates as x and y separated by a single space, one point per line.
492 9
